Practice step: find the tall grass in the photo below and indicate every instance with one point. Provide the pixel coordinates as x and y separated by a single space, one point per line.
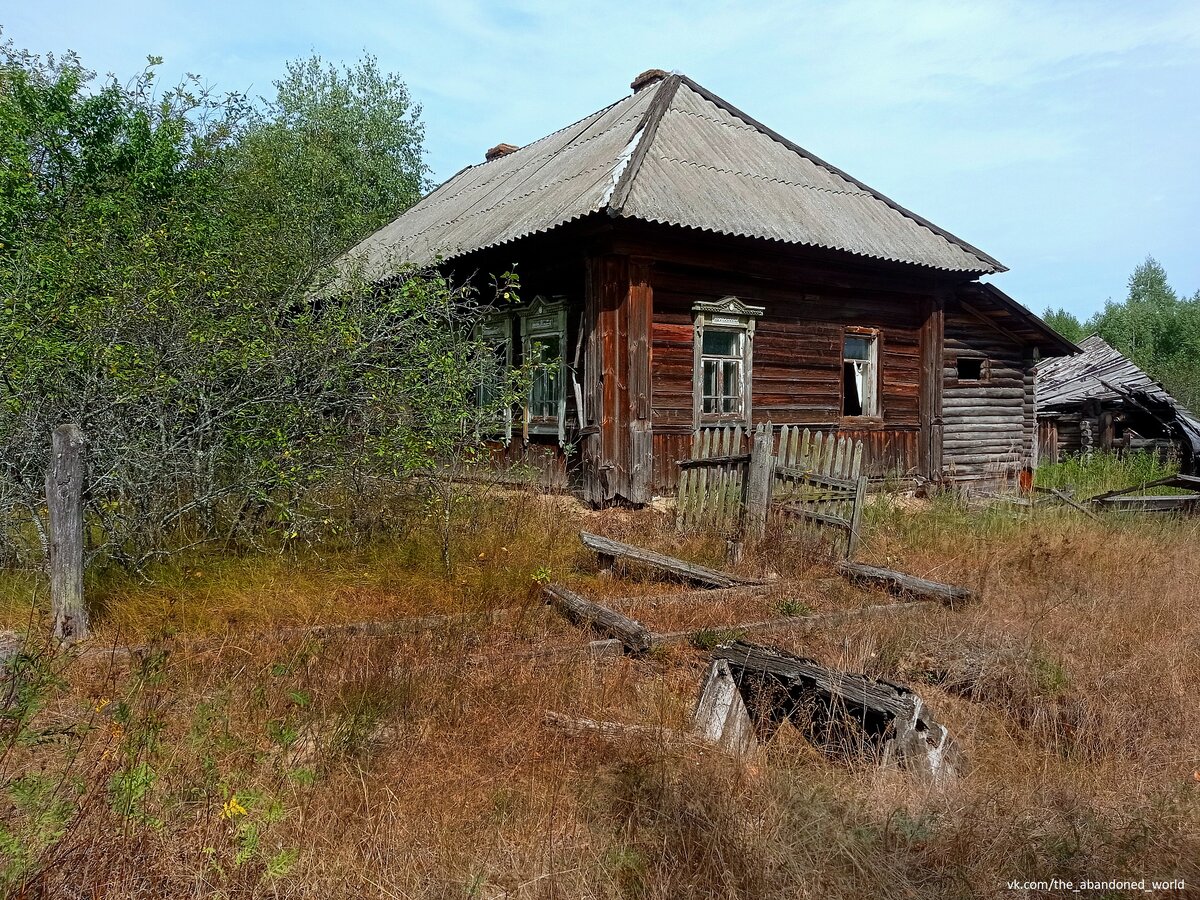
234 761
1096 473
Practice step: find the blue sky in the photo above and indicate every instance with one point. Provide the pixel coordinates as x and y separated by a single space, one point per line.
1063 138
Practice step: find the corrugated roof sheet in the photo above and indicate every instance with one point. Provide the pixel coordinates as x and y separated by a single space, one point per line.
671 153
1068 380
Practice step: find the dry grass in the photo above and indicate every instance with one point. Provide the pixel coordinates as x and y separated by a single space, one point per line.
417 766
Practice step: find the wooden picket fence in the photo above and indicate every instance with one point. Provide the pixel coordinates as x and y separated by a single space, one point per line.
813 476
712 480
818 479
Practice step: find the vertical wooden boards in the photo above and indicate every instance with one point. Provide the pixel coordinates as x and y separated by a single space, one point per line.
64 499
932 380
639 320
759 478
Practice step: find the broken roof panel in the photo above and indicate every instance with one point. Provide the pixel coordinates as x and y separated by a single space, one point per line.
673 153
1097 372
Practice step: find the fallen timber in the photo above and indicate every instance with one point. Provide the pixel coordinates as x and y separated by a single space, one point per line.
668 738
844 709
906 585
578 609
794 623
609 551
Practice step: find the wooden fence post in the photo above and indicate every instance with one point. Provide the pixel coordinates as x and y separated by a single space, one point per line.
759 475
64 499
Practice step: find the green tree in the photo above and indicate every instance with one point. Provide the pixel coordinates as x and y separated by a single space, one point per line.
336 154
1065 323
1156 329
158 248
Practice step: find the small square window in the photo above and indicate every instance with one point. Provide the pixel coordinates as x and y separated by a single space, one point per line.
971 368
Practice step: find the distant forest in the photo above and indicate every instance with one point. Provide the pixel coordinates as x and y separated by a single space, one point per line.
1154 326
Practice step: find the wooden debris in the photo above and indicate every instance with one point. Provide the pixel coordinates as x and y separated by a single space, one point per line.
666 737
64 507
1182 503
906 585
606 547
1074 505
894 720
783 623
721 717
631 633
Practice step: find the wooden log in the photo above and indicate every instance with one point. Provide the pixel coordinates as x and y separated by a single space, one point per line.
669 564
721 716
910 585
794 623
64 500
759 476
889 716
1067 500
1183 503
631 633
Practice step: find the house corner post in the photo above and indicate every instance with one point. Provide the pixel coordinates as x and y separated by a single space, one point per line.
639 319
933 342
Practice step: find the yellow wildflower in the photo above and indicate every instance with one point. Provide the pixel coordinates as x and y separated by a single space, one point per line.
232 808
100 704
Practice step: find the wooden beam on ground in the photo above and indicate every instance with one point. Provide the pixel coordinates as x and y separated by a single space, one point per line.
905 585
581 611
1074 505
696 597
606 547
1187 482
796 623
889 715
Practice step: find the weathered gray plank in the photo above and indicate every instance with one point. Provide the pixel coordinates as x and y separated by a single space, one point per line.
578 609
64 500
669 564
899 583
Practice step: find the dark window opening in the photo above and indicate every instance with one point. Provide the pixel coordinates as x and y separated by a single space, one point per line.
970 369
851 401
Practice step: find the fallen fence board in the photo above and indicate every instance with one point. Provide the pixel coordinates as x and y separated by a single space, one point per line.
799 623
667 737
888 716
899 583
631 633
721 717
669 564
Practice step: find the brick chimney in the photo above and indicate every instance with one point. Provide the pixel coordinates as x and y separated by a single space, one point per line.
500 150
647 78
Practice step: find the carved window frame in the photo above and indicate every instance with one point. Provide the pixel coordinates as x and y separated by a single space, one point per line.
726 314
493 330
545 318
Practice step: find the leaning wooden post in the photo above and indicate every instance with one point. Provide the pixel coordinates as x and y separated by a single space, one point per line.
64 499
758 482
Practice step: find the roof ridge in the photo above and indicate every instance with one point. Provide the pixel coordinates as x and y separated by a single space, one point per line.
812 157
664 94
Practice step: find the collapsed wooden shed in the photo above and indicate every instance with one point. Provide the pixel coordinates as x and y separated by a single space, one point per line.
1098 399
687 267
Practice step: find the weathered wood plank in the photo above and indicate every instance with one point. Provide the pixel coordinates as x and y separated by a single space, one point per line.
578 609
669 564
721 716
899 583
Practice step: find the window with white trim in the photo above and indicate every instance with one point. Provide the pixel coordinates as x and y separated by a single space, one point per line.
724 342
860 373
544 340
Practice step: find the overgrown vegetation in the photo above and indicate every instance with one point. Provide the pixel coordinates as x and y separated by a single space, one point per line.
1088 474
158 255
236 759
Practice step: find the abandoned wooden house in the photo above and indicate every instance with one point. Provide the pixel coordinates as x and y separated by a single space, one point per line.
684 267
1099 400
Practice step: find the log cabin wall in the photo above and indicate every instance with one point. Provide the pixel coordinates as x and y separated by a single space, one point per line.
988 417
796 364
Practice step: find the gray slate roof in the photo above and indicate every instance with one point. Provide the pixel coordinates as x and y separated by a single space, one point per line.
1067 380
673 153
